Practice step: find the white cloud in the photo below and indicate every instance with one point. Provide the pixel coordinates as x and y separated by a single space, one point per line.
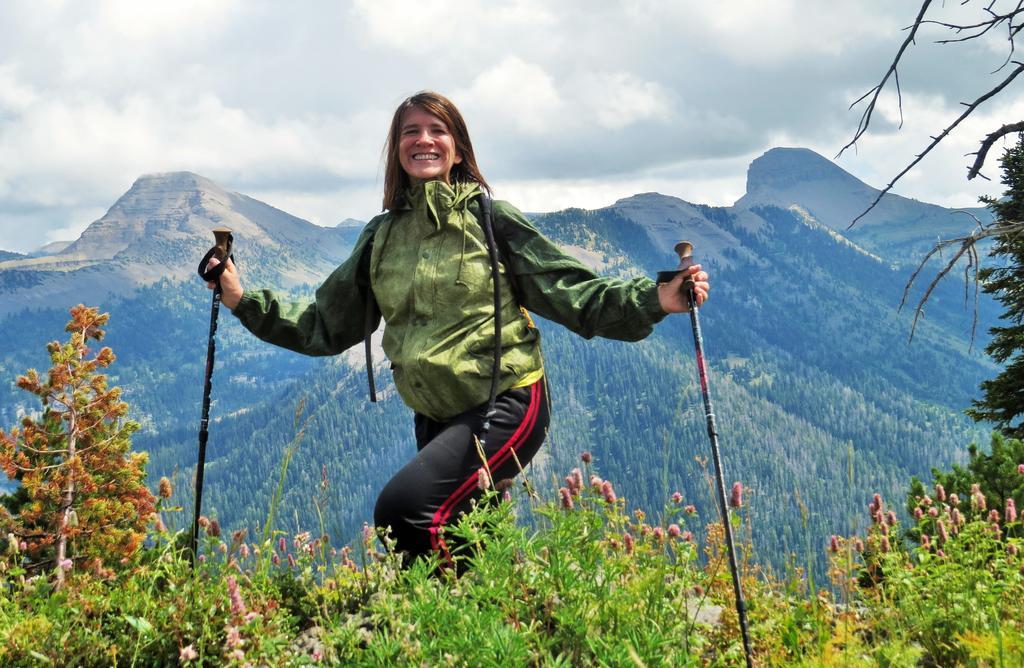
515 95
571 103
620 99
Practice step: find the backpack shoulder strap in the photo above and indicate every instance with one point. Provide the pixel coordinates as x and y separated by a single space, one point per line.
369 318
501 239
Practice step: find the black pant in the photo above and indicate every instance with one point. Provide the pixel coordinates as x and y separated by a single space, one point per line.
439 483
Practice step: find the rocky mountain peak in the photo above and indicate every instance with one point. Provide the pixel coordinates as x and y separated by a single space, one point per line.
163 225
784 168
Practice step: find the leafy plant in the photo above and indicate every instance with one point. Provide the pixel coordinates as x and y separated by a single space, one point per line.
85 499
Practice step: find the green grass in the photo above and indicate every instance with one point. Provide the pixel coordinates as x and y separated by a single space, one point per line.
571 590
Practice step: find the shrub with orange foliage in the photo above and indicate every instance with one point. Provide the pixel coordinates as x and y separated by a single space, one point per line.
87 506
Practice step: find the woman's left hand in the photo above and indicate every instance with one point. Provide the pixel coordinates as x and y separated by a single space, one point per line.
672 295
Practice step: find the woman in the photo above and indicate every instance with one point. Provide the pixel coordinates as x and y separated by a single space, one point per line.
425 263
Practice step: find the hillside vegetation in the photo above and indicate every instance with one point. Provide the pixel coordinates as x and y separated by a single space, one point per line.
581 576
594 582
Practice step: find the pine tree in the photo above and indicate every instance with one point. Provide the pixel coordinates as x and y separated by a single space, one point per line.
1003 396
87 501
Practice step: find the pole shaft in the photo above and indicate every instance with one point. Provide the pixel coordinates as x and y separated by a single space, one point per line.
709 415
204 423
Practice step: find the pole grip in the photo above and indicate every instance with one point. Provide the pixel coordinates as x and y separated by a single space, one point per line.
223 241
684 249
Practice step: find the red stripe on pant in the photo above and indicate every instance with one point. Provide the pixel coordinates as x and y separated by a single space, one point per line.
496 460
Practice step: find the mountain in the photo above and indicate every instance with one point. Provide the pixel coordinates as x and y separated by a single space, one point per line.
8 255
157 231
51 248
898 228
820 399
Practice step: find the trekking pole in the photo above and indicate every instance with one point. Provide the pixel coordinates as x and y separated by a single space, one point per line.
222 251
685 251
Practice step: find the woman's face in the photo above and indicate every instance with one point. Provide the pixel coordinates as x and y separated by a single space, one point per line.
426 150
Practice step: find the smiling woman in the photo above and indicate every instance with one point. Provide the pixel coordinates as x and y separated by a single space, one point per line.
424 266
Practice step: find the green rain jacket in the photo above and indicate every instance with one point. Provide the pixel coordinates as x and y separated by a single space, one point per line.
428 268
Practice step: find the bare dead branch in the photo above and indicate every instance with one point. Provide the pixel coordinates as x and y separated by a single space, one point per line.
967 246
987 143
874 93
939 137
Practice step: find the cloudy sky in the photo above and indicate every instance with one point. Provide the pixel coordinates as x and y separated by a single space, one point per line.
570 103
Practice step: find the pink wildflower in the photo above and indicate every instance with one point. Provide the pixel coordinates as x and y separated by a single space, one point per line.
23 546
885 544
918 513
993 515
736 498
956 517
933 512
674 531
213 529
291 561
577 480
483 481
282 544
940 492
275 559
690 509
659 534
876 503
926 541
858 545
244 551
954 499
1011 510
608 492
164 490
926 501
1020 469
202 558
677 498
940 525
566 496
613 543
368 534
1011 549
687 536
627 541
833 544
977 499
159 526
940 553
187 653
595 482
66 564
586 457
237 604
204 521
890 518
234 638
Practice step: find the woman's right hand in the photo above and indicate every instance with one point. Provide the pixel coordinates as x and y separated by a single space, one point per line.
230 286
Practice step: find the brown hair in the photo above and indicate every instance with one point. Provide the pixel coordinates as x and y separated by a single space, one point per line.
396 181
